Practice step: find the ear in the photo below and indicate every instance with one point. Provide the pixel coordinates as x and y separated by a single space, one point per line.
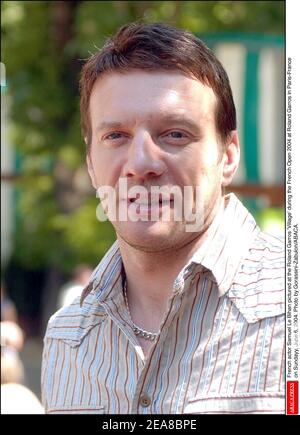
91 170
231 159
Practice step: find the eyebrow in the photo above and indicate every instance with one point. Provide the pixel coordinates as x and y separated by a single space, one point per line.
182 120
108 125
167 119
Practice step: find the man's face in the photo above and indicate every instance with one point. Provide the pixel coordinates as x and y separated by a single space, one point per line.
156 129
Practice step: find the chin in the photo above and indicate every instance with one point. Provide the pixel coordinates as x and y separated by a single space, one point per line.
148 236
153 236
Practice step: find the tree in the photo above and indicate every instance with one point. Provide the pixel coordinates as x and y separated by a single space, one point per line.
44 46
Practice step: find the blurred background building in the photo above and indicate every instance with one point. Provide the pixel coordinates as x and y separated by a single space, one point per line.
48 213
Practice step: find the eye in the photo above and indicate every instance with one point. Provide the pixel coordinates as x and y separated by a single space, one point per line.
176 137
114 139
113 136
176 134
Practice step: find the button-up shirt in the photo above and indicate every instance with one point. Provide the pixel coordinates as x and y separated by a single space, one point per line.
220 347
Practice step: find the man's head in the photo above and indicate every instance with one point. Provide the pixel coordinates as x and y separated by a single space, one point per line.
159 47
157 110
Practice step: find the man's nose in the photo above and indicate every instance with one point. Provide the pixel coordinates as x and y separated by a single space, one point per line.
144 158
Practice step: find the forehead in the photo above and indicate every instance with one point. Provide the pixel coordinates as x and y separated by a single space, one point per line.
146 95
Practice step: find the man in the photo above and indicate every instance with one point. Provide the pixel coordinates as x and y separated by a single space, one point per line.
173 320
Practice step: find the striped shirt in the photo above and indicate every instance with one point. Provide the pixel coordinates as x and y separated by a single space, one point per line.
220 348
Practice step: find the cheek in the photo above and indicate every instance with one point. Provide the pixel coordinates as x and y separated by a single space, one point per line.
204 172
191 167
107 167
100 164
210 165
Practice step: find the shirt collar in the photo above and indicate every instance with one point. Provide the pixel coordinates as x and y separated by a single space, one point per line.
226 242
224 245
107 277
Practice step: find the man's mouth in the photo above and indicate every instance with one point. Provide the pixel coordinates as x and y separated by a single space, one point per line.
150 201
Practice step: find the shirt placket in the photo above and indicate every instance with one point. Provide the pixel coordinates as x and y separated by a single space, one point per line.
115 308
145 393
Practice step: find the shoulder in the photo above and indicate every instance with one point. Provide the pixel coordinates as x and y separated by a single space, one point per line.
266 257
268 243
66 333
73 322
258 287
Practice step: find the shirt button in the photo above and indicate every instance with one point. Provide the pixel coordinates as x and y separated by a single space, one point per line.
145 400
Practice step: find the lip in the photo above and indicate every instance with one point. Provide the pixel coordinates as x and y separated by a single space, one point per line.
145 208
147 201
148 209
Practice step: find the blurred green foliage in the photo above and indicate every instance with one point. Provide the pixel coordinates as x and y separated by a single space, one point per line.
44 46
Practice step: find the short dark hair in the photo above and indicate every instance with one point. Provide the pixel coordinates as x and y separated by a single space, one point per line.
155 47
